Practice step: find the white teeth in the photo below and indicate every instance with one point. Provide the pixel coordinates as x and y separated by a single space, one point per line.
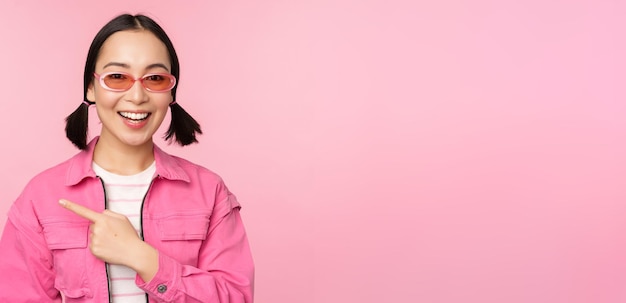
134 116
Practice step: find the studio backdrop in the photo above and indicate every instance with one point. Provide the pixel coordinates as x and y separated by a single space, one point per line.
383 151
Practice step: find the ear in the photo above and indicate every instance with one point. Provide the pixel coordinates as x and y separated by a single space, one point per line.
91 95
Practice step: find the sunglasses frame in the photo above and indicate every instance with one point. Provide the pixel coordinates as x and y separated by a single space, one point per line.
101 77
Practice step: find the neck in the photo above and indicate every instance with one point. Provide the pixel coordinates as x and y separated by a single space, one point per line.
123 159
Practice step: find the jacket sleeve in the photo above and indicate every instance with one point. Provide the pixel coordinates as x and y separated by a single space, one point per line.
26 263
225 272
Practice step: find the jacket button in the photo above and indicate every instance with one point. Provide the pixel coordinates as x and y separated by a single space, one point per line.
161 288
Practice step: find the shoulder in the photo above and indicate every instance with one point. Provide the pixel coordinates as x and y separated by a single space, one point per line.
197 171
175 167
53 175
39 197
201 182
60 178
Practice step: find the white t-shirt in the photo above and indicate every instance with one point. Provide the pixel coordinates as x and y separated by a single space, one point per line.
124 195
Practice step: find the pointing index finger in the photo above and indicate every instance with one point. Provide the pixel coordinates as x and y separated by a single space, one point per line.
80 210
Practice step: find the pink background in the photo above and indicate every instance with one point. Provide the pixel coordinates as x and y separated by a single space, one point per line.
384 151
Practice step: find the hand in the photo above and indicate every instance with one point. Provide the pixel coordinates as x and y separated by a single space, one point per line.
114 240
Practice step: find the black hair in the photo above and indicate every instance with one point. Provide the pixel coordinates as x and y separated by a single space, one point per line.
183 127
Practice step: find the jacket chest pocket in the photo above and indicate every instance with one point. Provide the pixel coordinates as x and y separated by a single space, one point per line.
182 235
68 243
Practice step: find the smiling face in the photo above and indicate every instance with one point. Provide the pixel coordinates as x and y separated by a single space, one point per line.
130 118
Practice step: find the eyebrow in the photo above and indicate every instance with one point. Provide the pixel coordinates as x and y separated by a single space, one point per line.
124 65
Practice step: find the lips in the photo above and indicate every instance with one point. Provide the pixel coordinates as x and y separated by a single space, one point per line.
134 116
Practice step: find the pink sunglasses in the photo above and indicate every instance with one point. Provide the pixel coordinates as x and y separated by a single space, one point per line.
120 81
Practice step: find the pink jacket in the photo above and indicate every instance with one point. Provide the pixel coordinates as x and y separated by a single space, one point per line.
188 215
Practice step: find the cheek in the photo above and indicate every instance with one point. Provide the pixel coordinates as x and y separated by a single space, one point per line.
163 105
161 98
105 98
164 102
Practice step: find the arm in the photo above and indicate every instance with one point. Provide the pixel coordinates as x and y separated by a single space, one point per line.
225 272
115 241
25 262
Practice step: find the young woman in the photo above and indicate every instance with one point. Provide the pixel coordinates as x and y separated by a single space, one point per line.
123 221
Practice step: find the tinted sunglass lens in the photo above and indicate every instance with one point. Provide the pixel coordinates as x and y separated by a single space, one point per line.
118 81
157 82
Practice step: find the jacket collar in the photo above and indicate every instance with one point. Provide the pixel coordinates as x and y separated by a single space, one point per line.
80 167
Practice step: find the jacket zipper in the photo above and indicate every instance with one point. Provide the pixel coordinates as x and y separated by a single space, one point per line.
106 265
141 209
141 217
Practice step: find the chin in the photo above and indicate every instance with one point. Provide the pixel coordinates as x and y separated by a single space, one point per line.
136 140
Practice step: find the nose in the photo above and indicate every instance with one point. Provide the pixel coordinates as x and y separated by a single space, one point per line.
137 93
